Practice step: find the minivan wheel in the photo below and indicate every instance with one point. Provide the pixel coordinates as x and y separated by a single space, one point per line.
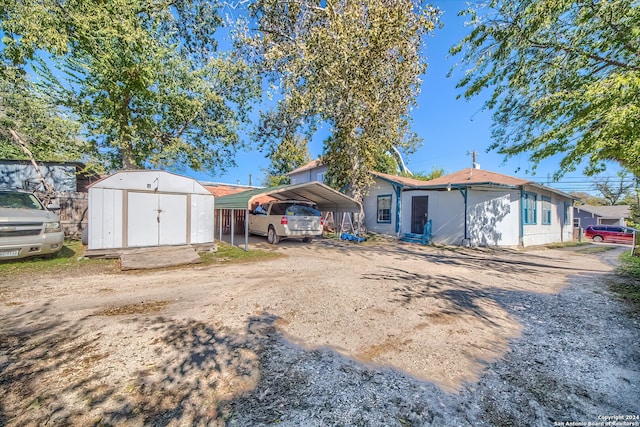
597 238
272 237
307 239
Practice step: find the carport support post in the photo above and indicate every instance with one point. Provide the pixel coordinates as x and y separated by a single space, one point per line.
246 230
220 225
232 220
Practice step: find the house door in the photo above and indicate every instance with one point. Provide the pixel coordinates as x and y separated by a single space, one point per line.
156 219
419 213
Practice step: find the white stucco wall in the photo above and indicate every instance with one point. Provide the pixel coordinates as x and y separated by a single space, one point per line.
558 230
493 218
370 205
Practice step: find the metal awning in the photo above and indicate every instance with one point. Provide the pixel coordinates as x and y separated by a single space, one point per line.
326 198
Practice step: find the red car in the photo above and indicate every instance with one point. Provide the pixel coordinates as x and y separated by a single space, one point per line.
610 233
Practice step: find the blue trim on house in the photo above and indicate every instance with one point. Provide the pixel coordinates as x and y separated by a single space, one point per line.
398 190
525 211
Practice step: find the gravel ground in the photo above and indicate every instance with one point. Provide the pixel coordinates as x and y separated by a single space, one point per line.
334 334
577 362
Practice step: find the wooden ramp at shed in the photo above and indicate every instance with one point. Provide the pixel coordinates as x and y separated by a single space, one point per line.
153 257
158 257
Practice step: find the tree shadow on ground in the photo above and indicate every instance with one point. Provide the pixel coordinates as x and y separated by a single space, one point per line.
58 372
497 260
458 296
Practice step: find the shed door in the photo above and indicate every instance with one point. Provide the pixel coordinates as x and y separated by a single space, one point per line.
419 213
156 219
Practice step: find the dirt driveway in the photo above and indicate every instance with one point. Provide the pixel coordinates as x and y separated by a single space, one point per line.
332 334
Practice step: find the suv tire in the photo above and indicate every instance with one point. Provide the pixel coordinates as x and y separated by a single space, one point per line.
272 237
597 239
307 239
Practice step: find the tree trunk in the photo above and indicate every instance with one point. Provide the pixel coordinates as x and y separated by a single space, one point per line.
49 191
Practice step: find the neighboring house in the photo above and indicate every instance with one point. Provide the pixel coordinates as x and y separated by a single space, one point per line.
62 176
586 215
312 171
470 207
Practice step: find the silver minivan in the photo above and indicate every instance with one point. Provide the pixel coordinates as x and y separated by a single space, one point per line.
285 219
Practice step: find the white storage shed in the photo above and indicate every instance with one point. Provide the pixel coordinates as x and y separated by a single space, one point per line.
149 208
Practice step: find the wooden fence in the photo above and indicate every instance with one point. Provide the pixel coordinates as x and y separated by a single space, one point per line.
73 213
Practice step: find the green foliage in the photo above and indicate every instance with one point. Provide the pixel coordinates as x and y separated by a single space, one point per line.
353 66
143 77
291 153
50 134
385 163
435 173
563 78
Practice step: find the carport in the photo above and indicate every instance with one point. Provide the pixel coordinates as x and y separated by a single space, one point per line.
326 198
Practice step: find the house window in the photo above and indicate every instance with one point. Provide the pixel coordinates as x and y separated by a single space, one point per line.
529 208
546 210
320 177
567 213
384 208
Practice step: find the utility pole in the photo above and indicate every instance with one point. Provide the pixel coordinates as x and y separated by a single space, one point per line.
474 155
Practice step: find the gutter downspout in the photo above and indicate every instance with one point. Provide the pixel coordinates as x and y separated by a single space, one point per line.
522 217
464 193
398 191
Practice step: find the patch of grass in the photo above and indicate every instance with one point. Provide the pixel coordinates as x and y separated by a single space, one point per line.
629 265
627 283
227 253
571 244
68 258
595 249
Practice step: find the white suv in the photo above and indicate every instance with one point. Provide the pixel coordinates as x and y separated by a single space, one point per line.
27 228
279 220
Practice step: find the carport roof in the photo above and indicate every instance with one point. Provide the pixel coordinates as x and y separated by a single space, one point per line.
326 198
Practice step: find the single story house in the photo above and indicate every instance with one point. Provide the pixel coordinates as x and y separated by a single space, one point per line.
470 207
586 215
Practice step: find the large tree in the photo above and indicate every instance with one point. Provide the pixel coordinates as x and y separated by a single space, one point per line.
352 66
563 78
291 153
31 125
142 76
